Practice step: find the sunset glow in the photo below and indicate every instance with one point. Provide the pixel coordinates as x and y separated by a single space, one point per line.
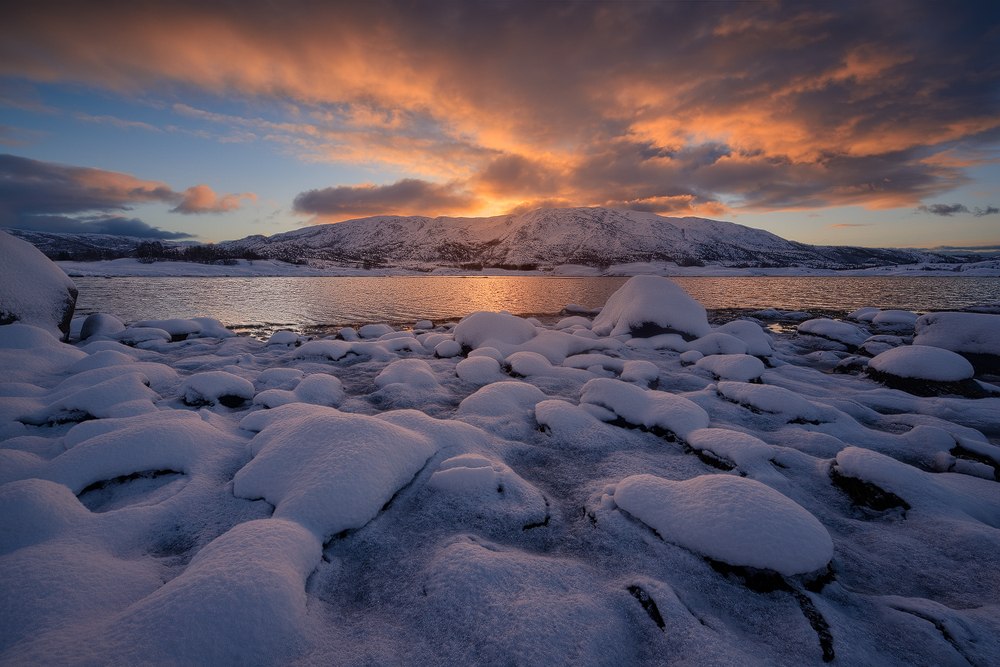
832 123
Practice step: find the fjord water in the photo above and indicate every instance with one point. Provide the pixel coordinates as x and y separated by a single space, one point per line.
307 302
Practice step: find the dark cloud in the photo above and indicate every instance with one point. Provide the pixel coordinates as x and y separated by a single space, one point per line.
989 210
116 225
36 194
408 196
946 210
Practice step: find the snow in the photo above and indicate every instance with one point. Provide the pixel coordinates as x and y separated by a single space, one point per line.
651 300
34 290
214 387
893 317
731 519
924 363
839 332
542 500
100 324
738 367
974 333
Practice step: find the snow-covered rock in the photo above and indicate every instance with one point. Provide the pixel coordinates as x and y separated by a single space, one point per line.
650 305
976 336
731 519
33 290
925 371
736 367
216 387
486 329
843 333
100 324
649 409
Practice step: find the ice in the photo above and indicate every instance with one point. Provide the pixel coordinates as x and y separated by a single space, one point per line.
923 363
731 519
650 305
216 387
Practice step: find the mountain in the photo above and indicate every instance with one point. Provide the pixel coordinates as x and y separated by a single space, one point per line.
86 247
546 238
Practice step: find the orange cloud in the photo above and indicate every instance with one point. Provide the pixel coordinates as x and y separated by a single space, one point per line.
201 199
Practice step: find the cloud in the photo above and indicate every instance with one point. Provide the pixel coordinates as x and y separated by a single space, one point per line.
408 196
753 106
116 225
117 122
844 225
201 199
989 210
946 210
35 193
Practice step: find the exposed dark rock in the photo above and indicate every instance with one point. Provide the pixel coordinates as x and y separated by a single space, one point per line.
968 388
649 604
866 494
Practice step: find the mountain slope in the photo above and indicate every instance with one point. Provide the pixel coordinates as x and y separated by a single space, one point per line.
551 237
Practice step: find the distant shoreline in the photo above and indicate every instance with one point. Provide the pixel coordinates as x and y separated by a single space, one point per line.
274 268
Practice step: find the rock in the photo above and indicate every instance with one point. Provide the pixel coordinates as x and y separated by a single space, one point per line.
34 290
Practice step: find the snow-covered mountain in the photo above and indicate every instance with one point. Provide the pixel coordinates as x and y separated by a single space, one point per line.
541 239
551 237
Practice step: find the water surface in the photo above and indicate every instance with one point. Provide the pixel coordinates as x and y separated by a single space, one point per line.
311 302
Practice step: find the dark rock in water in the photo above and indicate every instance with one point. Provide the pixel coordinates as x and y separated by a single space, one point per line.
34 290
100 324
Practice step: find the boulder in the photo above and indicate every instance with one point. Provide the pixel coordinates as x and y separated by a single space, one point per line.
100 324
33 290
975 336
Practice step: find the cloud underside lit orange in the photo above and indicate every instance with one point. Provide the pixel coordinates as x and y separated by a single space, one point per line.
488 108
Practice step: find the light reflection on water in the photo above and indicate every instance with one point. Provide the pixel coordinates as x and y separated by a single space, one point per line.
299 302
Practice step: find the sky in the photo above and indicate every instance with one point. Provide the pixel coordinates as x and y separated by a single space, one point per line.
873 123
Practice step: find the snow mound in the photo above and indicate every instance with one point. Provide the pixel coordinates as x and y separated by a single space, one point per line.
123 396
242 600
503 408
923 363
895 317
447 349
649 409
838 332
975 336
748 453
35 291
468 473
179 329
776 400
759 344
640 372
328 349
532 364
736 367
864 314
486 329
215 388
283 339
137 335
481 370
415 373
100 324
327 470
316 389
731 519
375 330
719 343
649 305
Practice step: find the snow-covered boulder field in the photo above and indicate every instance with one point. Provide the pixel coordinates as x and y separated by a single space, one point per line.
632 486
33 290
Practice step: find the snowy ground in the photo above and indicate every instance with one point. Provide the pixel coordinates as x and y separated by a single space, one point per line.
132 267
499 492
